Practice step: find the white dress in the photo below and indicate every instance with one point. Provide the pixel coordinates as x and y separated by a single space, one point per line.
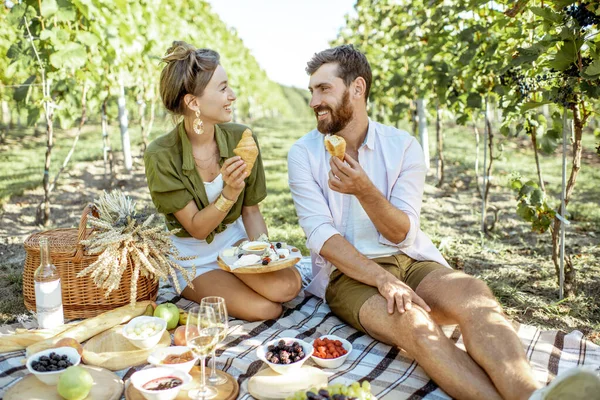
207 253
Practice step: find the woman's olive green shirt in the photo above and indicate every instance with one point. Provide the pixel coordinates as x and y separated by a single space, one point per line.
174 181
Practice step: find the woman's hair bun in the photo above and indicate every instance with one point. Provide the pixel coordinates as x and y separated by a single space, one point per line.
178 51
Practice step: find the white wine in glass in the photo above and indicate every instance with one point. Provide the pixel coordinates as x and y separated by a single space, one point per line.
222 325
201 337
205 343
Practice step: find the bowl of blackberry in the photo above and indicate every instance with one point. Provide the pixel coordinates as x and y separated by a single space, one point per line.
48 365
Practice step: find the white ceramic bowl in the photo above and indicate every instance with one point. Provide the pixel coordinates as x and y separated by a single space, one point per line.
147 342
257 248
156 357
332 362
51 377
285 368
140 378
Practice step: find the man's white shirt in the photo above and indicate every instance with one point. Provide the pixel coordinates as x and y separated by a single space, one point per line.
393 160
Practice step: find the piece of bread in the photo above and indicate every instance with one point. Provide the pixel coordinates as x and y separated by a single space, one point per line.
336 146
247 150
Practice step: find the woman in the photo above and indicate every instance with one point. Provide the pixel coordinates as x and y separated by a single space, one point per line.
202 188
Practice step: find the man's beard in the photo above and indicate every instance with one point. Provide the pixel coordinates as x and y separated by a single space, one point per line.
338 118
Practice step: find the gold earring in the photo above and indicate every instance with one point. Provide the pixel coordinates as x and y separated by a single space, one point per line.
198 124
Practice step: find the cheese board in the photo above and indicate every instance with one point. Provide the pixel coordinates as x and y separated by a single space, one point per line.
112 350
270 385
240 261
107 386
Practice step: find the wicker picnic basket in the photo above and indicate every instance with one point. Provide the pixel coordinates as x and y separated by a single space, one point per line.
81 297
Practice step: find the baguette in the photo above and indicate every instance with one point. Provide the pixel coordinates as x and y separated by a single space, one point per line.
93 326
336 146
26 337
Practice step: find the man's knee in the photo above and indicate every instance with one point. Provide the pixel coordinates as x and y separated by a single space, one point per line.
418 329
478 299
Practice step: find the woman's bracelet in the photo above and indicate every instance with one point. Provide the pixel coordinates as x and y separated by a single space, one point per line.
223 204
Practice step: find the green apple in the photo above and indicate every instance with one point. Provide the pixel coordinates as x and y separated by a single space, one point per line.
170 313
75 383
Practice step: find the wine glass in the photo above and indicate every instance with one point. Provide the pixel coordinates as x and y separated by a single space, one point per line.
218 306
201 335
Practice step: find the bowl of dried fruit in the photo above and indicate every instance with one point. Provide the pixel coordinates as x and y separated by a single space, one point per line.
48 365
285 355
175 357
330 351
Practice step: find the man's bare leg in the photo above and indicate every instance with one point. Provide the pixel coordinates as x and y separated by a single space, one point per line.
489 337
416 332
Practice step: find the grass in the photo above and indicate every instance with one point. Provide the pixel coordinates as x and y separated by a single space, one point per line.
514 262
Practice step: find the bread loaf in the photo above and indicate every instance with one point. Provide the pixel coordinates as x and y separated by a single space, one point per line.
336 146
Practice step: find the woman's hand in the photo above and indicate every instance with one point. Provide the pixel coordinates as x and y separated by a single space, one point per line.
234 173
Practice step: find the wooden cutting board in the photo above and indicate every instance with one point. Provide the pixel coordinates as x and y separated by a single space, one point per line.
112 350
107 386
225 263
269 385
227 391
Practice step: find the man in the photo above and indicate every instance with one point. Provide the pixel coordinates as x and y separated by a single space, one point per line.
371 262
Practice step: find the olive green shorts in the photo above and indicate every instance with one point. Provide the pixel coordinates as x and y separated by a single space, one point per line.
345 296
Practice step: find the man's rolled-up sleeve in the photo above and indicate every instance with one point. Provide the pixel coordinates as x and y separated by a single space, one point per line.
311 205
407 192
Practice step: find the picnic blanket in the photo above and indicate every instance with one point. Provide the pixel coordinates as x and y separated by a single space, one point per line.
392 374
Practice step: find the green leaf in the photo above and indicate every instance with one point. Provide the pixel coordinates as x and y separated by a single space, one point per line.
87 38
548 143
14 51
532 105
594 68
537 198
73 55
47 34
525 212
547 14
516 184
48 8
66 14
21 92
33 115
565 56
474 100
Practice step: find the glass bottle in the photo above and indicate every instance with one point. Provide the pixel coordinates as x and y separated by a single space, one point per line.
48 293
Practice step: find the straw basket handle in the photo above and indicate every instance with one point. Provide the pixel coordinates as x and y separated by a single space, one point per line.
81 233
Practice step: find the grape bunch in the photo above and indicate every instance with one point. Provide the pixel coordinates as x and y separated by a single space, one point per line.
582 15
573 70
524 85
51 362
562 96
283 353
337 391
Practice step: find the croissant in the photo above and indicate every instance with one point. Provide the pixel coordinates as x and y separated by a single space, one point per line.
247 150
336 146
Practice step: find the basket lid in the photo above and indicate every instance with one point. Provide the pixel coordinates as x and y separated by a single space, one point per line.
62 241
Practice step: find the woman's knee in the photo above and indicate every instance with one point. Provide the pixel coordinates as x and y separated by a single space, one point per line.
262 310
285 289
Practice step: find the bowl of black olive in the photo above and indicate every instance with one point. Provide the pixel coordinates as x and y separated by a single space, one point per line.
48 365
